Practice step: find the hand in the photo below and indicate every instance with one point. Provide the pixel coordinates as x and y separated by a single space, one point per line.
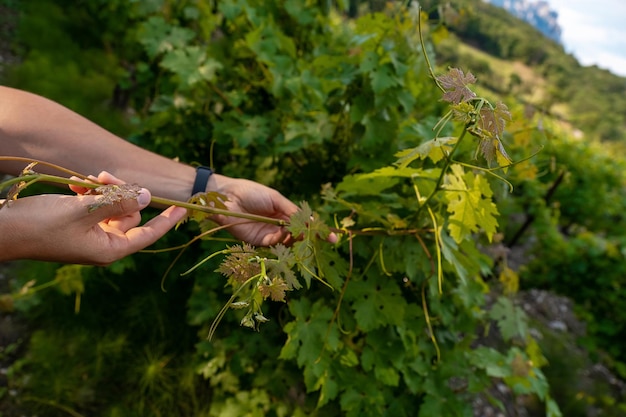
250 197
60 228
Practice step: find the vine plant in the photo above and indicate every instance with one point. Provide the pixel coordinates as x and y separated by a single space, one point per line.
451 204
395 316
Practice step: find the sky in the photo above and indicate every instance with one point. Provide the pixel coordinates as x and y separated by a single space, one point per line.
594 31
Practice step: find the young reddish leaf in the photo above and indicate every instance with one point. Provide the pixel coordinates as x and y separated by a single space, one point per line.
237 266
275 290
455 83
494 120
113 194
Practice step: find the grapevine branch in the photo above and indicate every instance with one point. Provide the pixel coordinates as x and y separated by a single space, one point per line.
35 177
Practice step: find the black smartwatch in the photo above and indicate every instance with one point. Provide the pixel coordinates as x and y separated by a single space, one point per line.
202 178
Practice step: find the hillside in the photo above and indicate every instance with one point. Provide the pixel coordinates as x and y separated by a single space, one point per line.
537 13
593 100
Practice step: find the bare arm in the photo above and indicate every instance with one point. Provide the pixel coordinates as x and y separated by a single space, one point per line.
34 127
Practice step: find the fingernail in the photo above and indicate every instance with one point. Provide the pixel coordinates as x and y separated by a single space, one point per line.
144 197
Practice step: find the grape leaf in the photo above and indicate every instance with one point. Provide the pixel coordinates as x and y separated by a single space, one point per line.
470 205
433 149
509 280
282 267
512 320
309 331
70 279
390 171
493 362
298 222
455 83
490 128
361 185
158 36
494 120
237 267
275 289
191 64
383 77
376 305
211 199
328 387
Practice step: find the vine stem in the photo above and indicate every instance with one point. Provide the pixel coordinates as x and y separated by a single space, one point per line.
444 170
44 163
423 44
32 178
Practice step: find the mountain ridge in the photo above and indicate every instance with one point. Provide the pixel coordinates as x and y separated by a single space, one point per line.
537 13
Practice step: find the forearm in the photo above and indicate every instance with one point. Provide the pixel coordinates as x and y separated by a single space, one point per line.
7 233
34 127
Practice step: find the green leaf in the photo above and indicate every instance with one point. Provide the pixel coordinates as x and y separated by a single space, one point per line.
376 302
244 130
157 36
302 133
309 333
69 279
377 130
552 408
282 267
512 320
435 149
383 78
386 172
328 387
363 185
494 363
191 65
463 258
470 205
299 221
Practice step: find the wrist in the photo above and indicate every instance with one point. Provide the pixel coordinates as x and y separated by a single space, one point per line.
201 181
10 245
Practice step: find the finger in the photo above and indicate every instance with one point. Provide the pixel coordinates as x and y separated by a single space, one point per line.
285 206
122 208
107 178
77 188
124 223
140 237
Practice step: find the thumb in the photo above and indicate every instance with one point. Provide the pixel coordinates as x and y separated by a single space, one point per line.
123 207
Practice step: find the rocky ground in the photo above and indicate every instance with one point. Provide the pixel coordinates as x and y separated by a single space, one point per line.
581 386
